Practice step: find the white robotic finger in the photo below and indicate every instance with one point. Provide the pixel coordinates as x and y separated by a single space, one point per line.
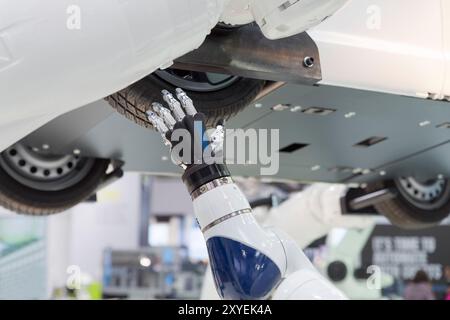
157 122
174 105
186 102
159 125
165 114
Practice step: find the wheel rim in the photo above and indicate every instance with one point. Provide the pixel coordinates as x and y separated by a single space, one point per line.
196 81
428 195
43 171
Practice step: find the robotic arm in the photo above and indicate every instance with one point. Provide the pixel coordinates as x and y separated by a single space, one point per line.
247 261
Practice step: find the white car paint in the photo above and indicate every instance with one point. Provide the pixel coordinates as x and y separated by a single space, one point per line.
51 64
400 47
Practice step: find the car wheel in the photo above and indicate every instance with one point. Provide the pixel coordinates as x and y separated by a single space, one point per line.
218 96
418 204
35 183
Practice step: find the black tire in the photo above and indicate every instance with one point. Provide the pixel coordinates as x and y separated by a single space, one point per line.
135 100
402 212
23 199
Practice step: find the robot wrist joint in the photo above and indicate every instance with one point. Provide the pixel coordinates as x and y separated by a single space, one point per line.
201 178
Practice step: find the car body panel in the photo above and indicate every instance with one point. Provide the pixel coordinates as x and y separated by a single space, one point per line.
410 126
368 73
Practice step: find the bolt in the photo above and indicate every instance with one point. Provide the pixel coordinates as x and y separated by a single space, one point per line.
76 151
308 62
350 115
45 146
258 105
315 168
281 107
424 123
382 173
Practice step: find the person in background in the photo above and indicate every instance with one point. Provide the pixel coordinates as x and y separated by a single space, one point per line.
419 288
447 278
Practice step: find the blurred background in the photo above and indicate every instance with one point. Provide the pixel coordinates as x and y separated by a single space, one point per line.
138 239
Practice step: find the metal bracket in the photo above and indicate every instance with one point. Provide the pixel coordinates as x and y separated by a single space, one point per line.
247 53
356 201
